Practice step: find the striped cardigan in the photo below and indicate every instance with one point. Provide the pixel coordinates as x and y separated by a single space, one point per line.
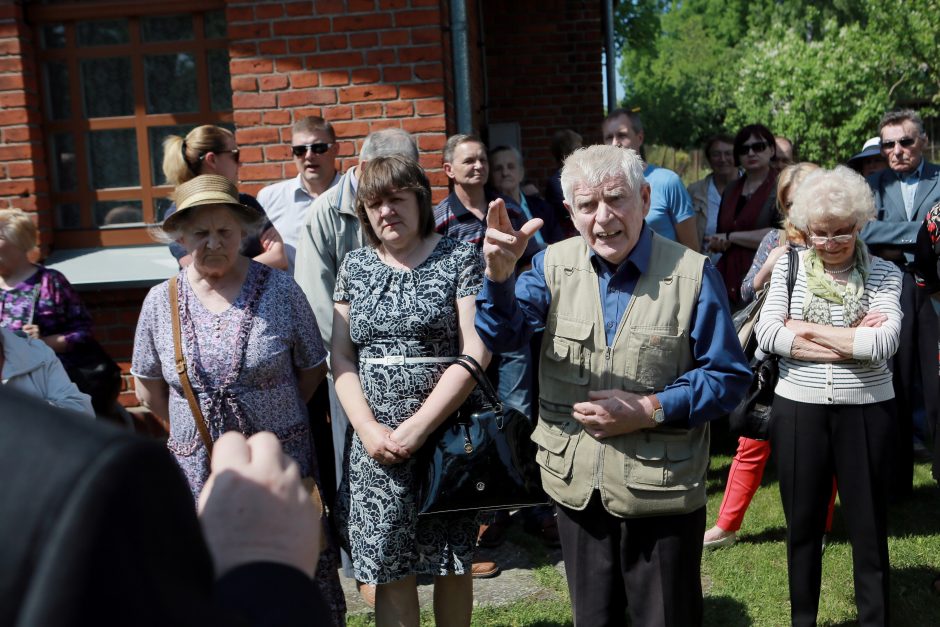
863 379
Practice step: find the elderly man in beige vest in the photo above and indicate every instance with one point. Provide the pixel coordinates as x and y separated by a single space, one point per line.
638 355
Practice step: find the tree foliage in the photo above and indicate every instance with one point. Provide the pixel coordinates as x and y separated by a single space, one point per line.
819 73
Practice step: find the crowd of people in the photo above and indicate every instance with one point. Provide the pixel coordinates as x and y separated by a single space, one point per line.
602 304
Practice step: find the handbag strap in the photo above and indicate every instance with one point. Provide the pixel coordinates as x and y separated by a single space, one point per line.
181 368
793 258
476 371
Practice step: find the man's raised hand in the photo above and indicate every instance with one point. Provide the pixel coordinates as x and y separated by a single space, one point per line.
503 245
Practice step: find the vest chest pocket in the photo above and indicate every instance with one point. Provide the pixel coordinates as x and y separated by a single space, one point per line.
663 464
566 356
556 450
653 357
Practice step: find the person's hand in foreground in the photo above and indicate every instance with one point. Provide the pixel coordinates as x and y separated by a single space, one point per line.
254 507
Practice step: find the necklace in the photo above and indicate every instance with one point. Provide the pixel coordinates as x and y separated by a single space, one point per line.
840 270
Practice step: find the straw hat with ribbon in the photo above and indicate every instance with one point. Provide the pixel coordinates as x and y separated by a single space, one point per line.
207 189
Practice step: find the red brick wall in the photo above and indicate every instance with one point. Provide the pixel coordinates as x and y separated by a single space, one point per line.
543 60
22 162
362 64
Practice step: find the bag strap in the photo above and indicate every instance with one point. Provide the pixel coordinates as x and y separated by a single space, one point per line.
476 371
181 368
793 258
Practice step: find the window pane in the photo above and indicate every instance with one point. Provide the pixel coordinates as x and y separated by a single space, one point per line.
63 163
68 216
53 36
215 24
156 135
160 206
112 159
171 83
166 28
117 212
58 99
220 83
102 33
107 87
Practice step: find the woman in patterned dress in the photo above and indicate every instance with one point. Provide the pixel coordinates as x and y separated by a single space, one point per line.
250 340
404 309
34 299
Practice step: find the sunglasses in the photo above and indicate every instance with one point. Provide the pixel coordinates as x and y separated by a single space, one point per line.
756 147
906 142
317 149
233 151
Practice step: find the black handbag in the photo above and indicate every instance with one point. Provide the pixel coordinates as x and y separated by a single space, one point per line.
481 458
752 417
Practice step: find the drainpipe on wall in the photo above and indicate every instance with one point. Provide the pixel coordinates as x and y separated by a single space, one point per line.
458 29
610 55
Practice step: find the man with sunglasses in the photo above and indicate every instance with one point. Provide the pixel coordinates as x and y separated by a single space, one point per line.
904 194
314 149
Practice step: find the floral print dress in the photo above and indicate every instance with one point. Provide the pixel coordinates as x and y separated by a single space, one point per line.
241 363
395 312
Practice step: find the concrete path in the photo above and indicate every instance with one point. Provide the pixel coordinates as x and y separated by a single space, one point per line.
516 557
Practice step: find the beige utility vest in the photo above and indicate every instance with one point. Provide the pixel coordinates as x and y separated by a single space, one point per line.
647 473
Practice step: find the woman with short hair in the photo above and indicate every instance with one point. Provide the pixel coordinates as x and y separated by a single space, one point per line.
250 341
834 400
405 309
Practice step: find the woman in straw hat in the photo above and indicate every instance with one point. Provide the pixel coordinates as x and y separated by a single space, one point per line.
250 343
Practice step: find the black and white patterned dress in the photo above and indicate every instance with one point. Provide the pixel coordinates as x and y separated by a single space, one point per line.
413 314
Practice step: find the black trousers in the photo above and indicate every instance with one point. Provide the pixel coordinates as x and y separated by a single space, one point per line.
853 442
653 563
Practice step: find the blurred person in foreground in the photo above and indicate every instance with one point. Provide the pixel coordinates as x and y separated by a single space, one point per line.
404 311
251 344
99 528
834 402
638 355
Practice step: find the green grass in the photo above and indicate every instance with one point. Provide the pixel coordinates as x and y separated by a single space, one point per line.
746 584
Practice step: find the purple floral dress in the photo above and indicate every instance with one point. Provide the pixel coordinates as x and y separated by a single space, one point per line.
48 300
241 363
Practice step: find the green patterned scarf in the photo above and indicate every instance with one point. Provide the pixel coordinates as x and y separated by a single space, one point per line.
822 290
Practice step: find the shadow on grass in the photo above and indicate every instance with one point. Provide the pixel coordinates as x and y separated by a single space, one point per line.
726 612
913 601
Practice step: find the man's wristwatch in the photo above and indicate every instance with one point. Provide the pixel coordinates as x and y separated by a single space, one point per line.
658 415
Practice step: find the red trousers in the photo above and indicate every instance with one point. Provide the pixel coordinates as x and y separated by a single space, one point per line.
747 469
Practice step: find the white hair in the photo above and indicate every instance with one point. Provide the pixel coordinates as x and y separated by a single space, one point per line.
595 164
840 193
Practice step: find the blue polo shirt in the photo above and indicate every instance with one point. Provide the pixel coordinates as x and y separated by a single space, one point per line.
670 203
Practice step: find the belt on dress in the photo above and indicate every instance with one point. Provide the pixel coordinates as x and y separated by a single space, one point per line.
401 360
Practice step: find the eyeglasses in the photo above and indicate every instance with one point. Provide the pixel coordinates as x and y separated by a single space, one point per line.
317 149
820 241
906 142
233 151
756 147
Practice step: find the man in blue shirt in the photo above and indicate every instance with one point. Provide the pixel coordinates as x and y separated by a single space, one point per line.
639 353
670 214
